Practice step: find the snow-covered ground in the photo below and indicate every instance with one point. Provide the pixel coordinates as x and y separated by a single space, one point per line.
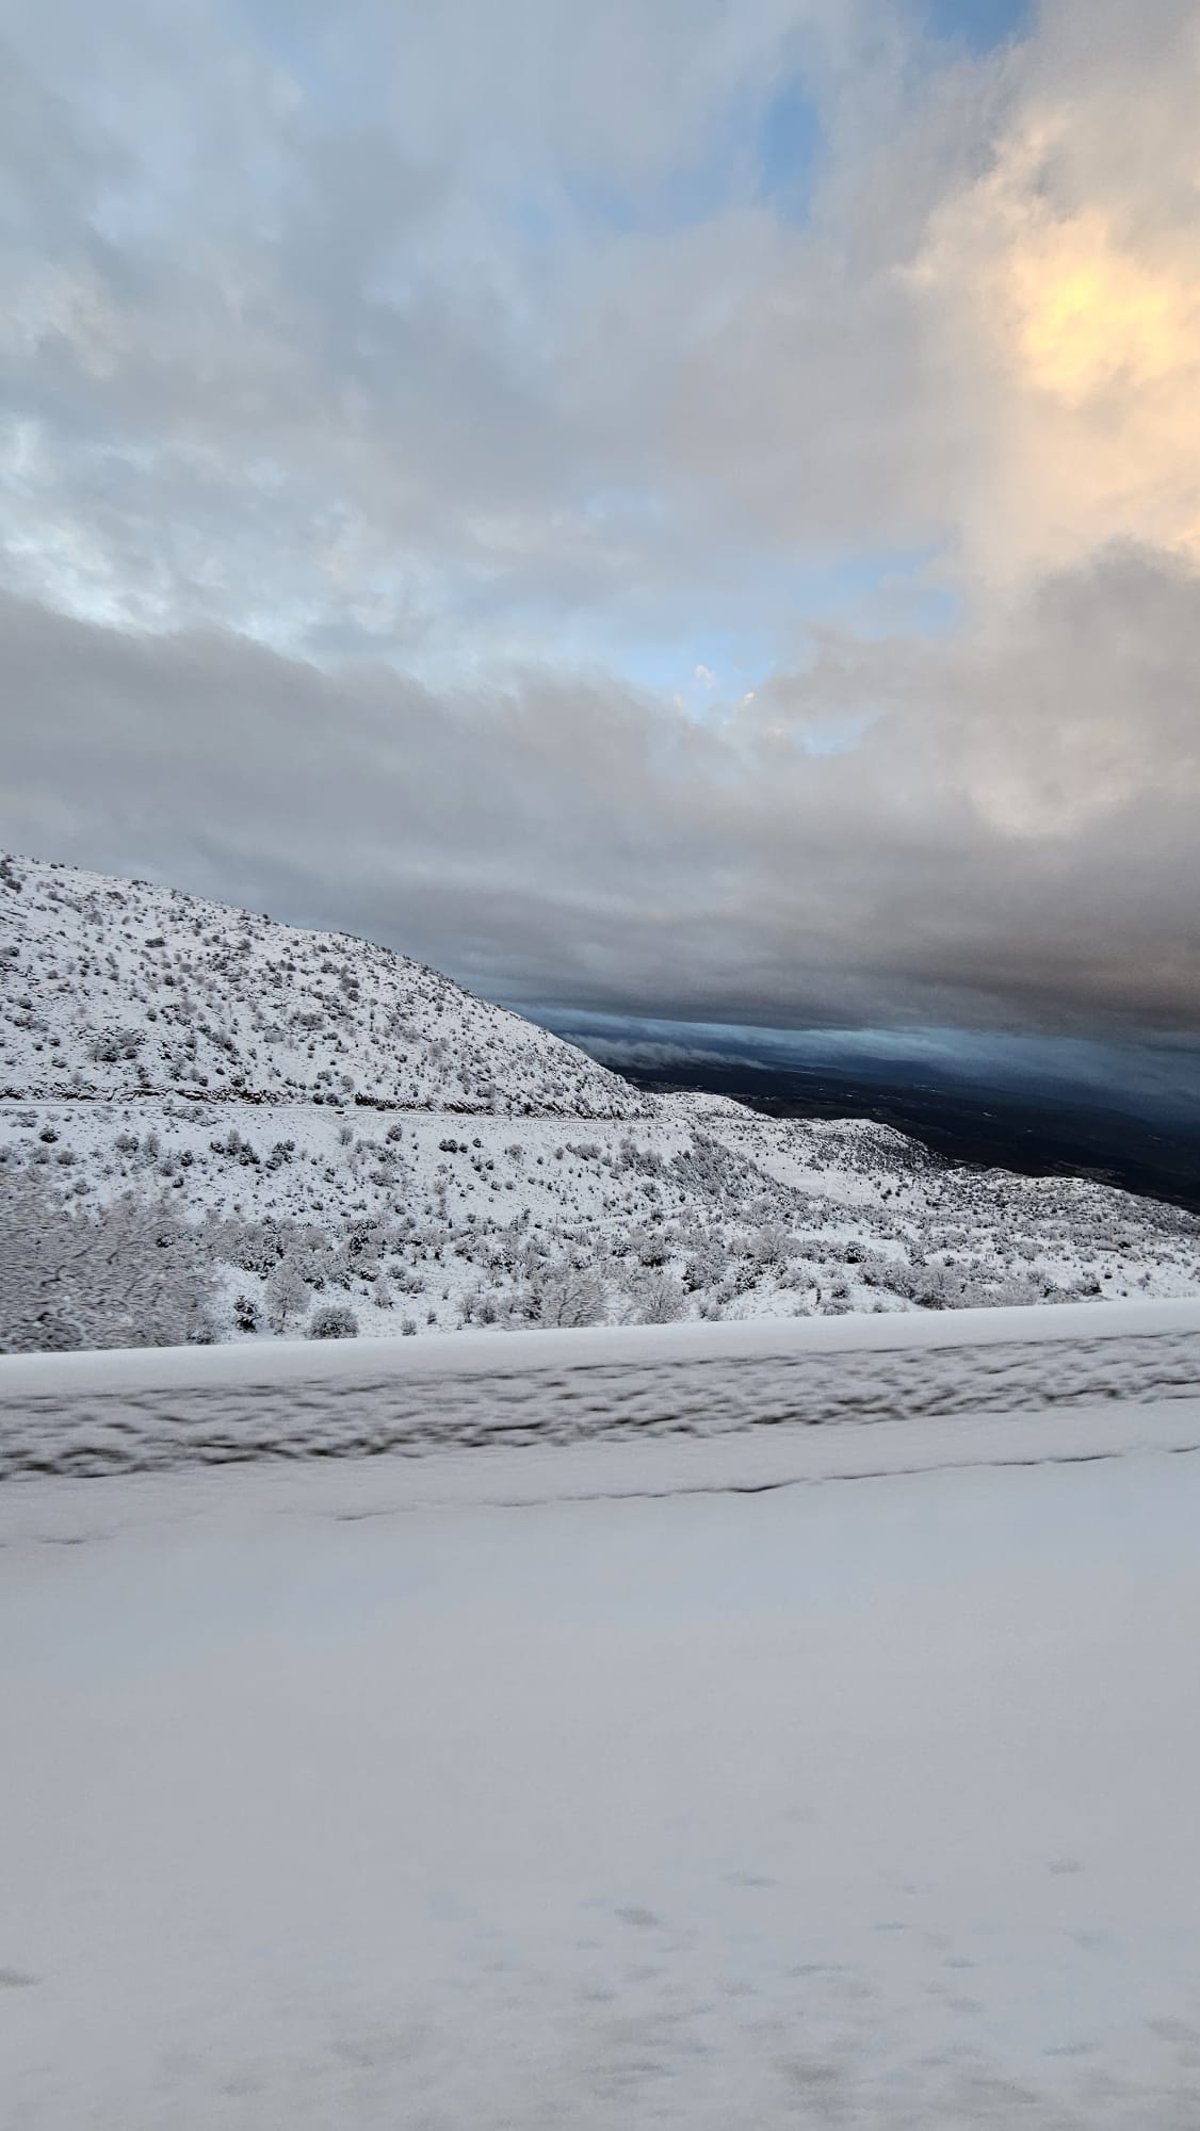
338 1795
150 1409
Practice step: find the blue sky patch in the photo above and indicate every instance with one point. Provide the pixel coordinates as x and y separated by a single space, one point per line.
979 25
789 144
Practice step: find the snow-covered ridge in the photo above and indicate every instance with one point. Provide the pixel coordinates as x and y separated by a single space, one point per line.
117 988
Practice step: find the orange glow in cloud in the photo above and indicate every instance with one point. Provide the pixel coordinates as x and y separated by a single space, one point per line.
1090 318
1079 357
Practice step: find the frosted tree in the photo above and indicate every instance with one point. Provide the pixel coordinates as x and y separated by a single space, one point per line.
131 1275
657 1298
771 1246
287 1295
564 1294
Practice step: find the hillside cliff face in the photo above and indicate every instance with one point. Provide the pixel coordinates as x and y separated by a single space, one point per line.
213 1125
115 988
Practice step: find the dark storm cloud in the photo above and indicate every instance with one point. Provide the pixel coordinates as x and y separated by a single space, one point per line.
1014 833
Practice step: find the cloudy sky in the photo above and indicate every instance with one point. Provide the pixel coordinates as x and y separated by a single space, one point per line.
684 507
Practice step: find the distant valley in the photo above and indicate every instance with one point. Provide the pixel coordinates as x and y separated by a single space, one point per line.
1037 1135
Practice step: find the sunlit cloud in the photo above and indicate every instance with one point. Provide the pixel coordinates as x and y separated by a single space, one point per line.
1071 329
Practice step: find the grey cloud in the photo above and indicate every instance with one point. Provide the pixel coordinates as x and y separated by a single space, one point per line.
1013 837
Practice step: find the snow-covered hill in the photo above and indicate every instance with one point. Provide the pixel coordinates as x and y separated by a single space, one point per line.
114 987
209 1120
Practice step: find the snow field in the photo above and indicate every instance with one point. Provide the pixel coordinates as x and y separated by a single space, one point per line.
868 1805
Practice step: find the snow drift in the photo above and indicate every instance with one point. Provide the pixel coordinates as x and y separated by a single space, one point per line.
140 1411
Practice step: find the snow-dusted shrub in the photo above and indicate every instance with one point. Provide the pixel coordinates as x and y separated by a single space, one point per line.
772 1244
111 1045
564 1294
333 1321
1006 1291
479 1307
657 1298
253 1246
986 1284
133 1275
707 1264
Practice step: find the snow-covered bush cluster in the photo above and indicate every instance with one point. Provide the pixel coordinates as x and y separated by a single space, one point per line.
135 1275
293 1204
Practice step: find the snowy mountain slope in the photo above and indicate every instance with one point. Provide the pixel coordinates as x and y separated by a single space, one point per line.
360 1178
114 987
425 1222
